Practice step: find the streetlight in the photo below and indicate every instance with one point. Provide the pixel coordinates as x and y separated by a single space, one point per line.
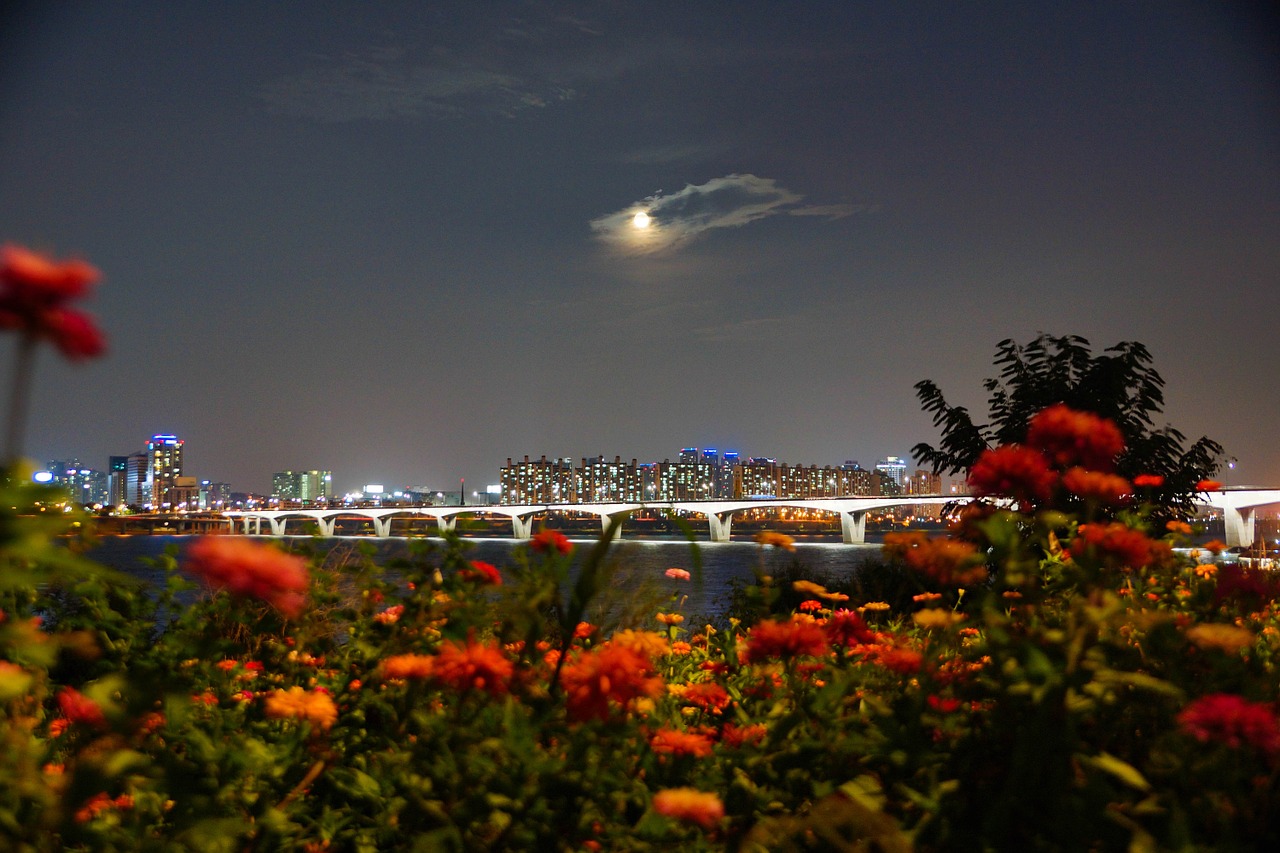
1231 466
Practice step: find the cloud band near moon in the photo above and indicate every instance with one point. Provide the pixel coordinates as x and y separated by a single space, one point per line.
677 218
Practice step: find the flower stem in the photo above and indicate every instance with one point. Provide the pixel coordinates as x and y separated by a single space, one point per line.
19 397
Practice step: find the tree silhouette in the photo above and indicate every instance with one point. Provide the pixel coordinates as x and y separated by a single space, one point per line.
1119 384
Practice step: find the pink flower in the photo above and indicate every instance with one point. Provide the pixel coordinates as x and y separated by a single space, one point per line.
34 291
677 574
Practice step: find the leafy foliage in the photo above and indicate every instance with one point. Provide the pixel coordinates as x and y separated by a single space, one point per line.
1119 384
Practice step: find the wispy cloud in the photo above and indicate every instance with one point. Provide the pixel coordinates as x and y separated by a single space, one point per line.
668 221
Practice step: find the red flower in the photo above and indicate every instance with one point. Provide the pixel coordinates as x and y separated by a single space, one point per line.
1233 720
1113 545
770 639
79 708
246 569
1070 437
482 573
1012 471
736 737
848 628
33 293
549 540
707 695
1208 486
1148 481
1096 486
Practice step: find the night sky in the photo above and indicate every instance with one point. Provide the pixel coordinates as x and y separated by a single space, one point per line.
397 240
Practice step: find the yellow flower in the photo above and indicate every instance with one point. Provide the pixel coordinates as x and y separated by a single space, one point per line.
875 605
1227 638
809 588
936 617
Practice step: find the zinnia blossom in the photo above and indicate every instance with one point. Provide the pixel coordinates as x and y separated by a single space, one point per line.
1148 481
551 540
1113 545
678 574
675 742
1208 486
473 666
408 666
953 562
33 293
795 638
736 737
1071 437
481 572
1232 720
936 617
246 569
651 644
78 708
777 540
1012 471
1215 635
848 628
689 805
707 695
310 706
608 678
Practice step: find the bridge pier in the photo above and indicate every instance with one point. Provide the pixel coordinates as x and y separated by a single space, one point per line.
1239 526
327 526
521 528
446 523
853 527
720 523
382 527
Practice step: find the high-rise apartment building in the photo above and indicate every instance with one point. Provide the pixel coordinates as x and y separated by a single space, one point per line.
305 486
117 471
540 481
164 467
137 490
894 468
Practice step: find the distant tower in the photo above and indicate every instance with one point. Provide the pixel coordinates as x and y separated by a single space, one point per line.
895 469
164 467
116 474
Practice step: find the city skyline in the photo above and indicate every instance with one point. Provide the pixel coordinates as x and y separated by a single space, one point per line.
405 241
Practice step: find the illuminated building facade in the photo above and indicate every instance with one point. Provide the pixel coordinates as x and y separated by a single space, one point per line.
303 486
540 481
164 467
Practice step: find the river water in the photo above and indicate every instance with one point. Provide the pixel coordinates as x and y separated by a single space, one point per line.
641 564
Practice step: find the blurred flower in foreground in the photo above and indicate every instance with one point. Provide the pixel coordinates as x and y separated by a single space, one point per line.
246 569
312 706
777 540
1232 720
33 293
690 805
551 540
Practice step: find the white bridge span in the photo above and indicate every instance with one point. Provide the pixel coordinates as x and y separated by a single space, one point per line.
1238 507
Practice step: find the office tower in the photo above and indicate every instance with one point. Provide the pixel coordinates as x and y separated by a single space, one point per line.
137 491
117 471
164 467
895 469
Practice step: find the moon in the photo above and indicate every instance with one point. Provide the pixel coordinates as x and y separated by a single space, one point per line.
641 220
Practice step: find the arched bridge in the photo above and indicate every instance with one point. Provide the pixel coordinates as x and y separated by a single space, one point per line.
1238 507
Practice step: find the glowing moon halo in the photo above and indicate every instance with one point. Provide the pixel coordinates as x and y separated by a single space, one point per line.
641 220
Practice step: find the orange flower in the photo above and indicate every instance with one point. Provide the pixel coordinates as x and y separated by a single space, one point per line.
390 616
1012 471
771 639
680 647
471 665
1208 486
777 540
947 561
551 540
1226 638
1215 546
246 569
936 617
736 737
612 676
678 574
689 805
408 666
899 660
674 742
1148 481
670 618
651 644
1071 437
310 706
1096 485
1176 526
